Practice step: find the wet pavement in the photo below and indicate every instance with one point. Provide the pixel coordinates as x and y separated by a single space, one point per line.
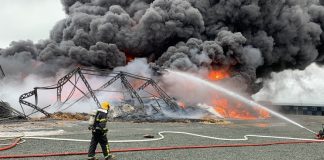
129 130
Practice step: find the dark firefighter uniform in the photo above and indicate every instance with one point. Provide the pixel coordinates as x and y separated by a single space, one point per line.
99 134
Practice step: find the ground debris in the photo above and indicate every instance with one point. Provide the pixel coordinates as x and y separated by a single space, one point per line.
211 120
148 136
70 116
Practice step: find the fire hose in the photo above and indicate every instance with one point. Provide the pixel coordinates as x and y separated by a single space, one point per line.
15 143
246 137
157 149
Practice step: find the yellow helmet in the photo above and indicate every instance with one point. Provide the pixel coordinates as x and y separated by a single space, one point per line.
105 105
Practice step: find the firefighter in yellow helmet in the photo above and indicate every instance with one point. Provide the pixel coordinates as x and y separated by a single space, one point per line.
97 124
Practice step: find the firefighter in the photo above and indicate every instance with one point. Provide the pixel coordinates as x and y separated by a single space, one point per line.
97 124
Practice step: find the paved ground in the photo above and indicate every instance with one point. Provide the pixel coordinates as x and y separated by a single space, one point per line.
127 130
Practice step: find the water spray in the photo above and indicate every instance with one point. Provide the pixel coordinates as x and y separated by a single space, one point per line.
236 96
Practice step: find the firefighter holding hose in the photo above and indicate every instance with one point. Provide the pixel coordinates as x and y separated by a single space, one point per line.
97 124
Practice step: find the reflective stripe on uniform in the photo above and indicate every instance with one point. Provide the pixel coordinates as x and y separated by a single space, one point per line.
103 129
108 148
102 110
101 120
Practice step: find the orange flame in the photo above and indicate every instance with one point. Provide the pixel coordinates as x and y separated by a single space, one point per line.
181 104
129 57
263 113
231 108
216 75
237 110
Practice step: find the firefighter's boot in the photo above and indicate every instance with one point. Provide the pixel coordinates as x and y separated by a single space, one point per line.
109 157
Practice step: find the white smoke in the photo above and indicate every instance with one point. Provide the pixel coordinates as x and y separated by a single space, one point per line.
11 88
138 66
294 86
210 109
186 91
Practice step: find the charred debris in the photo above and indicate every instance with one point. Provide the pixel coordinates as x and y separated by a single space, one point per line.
145 100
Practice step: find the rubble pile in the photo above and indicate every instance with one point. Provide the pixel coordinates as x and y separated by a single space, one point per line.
5 111
70 116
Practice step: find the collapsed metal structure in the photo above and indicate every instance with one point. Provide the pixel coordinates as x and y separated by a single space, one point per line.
148 81
79 73
58 87
7 112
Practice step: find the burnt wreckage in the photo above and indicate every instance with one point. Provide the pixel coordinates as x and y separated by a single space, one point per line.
6 111
74 77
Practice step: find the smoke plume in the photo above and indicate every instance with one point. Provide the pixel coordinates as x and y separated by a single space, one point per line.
250 37
294 86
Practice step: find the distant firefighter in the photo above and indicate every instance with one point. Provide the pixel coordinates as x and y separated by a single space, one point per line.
320 134
97 124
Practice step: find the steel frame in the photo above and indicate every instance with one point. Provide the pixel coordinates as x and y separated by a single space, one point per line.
97 72
59 87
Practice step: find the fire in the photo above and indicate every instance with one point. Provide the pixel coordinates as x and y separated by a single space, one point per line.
263 113
181 104
129 57
229 108
236 110
216 75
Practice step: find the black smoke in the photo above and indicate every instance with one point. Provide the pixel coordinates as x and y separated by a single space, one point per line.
251 37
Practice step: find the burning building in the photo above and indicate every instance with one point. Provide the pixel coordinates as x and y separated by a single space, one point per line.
230 42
